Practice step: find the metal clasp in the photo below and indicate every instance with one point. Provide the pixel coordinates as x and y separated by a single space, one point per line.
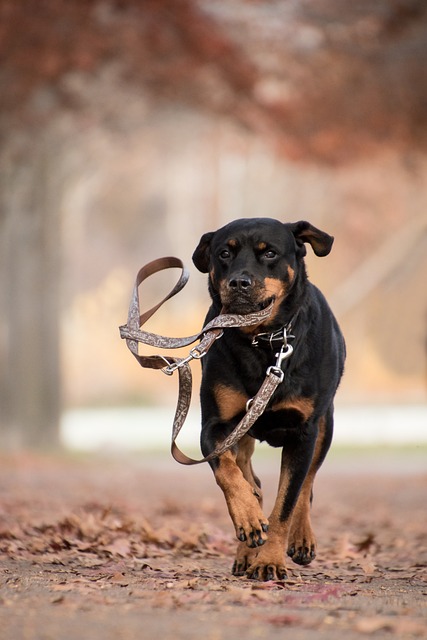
194 354
171 367
284 353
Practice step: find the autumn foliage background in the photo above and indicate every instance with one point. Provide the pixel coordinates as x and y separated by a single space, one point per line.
130 128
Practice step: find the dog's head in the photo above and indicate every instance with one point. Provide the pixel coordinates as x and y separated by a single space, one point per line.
254 261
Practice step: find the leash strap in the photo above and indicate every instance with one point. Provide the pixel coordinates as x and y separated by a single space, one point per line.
256 408
133 334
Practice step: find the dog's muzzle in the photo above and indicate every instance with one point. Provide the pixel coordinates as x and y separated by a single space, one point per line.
242 294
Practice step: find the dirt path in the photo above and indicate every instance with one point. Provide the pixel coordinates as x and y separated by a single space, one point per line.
142 548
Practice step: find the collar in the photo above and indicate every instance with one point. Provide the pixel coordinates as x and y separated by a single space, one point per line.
272 338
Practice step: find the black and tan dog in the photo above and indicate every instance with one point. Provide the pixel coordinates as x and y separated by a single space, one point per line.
252 263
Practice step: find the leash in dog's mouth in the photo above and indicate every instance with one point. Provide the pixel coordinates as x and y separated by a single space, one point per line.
268 302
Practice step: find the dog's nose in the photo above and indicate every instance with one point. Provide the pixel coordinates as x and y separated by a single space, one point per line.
240 282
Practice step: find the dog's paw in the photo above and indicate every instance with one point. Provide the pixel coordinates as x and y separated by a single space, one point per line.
249 521
269 564
254 535
245 556
265 572
302 545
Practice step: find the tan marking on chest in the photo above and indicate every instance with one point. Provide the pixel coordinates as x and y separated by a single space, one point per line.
230 402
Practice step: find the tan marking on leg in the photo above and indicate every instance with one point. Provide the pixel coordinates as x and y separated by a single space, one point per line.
230 402
305 406
302 541
270 562
246 448
243 505
244 554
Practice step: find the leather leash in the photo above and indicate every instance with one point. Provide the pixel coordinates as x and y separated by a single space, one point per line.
212 331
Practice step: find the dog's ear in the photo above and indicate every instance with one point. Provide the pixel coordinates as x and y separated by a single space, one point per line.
202 254
321 242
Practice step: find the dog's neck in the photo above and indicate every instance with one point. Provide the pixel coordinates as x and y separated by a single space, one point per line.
273 339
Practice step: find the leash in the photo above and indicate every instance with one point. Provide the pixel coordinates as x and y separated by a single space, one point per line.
133 334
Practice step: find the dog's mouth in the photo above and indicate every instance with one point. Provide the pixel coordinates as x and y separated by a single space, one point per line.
244 305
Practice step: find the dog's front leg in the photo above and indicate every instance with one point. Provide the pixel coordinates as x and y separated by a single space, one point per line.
302 541
242 497
297 455
243 505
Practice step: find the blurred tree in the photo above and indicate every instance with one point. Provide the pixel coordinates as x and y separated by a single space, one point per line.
29 277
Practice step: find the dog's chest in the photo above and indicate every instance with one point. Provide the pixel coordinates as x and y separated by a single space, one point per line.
282 421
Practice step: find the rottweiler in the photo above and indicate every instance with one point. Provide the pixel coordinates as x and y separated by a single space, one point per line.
253 263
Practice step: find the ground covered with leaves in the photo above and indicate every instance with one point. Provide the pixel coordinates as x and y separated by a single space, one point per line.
139 547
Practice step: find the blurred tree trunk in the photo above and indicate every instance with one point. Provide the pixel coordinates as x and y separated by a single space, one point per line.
29 289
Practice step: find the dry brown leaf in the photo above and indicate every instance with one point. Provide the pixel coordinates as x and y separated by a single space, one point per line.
344 548
120 547
120 579
365 543
368 566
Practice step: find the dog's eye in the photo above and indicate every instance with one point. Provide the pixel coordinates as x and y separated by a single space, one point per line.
270 254
224 254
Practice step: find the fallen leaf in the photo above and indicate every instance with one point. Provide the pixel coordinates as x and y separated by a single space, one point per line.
366 543
120 547
120 579
368 566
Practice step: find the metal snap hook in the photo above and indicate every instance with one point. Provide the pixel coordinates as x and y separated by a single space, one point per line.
284 353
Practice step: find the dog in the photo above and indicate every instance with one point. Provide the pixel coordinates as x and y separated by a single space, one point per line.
253 263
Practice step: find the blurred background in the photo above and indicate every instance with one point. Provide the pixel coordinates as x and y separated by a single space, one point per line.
130 127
